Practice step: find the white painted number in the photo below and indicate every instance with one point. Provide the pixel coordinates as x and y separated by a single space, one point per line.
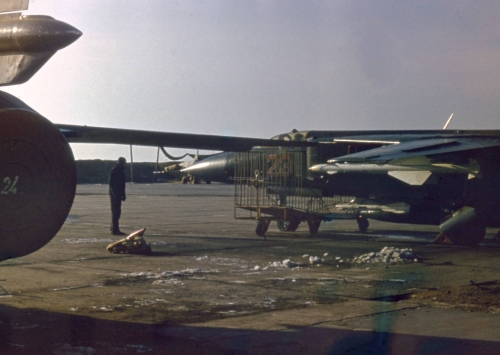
10 186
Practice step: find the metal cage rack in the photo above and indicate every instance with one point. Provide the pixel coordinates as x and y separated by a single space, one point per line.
271 184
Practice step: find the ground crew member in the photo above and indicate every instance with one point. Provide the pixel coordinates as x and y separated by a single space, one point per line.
117 194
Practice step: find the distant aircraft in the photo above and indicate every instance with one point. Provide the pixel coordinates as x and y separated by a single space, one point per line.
440 177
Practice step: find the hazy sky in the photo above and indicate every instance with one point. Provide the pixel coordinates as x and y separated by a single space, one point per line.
260 68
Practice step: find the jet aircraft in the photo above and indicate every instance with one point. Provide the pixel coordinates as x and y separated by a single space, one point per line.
439 177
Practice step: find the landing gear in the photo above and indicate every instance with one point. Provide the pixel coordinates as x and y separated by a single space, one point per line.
288 225
363 224
191 179
262 226
313 226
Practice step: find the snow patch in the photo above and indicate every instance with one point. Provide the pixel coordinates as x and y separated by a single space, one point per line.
314 260
289 263
388 255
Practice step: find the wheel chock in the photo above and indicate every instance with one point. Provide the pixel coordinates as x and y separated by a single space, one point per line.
443 239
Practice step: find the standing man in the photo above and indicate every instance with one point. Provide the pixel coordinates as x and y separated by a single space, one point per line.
117 194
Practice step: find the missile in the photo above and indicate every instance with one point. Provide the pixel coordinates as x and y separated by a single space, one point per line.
28 42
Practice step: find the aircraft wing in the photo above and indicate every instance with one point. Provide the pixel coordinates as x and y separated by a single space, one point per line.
423 147
100 135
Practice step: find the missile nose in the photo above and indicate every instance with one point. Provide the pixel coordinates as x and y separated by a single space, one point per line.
317 168
69 35
43 33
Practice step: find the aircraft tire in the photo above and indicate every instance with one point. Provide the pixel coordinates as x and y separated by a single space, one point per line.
464 227
313 226
288 225
261 229
471 236
294 224
363 224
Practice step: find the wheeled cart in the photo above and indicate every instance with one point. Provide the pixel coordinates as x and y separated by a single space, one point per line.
272 185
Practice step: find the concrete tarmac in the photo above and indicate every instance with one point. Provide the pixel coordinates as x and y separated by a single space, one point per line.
211 286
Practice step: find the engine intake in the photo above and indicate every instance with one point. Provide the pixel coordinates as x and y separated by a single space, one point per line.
37 181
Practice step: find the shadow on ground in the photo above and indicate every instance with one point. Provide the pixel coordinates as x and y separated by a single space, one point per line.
31 331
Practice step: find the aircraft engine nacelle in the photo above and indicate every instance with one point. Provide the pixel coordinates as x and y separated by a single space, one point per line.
218 168
37 181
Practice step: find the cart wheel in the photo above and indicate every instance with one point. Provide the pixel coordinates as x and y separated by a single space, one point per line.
313 226
288 225
362 224
294 224
261 229
283 225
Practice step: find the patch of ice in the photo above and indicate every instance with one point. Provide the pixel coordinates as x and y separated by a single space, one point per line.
144 302
268 302
168 274
140 348
68 349
87 240
326 254
160 291
168 282
163 244
222 261
257 267
305 255
30 326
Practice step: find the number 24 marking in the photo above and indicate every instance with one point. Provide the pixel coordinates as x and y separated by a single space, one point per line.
10 186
